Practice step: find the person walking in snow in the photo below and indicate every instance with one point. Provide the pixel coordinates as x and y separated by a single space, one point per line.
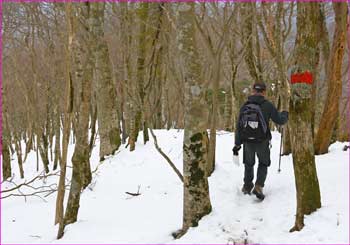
253 132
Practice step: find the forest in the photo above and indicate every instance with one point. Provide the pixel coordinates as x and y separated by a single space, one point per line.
118 109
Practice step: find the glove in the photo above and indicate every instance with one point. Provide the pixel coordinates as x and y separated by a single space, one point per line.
235 149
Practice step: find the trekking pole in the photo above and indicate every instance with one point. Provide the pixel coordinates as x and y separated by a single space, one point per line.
279 163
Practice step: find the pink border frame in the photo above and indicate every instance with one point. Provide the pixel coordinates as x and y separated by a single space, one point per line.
169 1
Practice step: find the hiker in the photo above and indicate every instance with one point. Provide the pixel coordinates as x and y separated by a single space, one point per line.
253 131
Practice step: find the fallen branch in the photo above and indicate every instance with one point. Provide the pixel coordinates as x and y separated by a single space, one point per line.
47 193
40 176
47 190
172 165
134 194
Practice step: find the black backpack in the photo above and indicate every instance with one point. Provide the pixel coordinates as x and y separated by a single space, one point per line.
252 125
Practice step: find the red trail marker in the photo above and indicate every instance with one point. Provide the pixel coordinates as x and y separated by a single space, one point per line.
305 77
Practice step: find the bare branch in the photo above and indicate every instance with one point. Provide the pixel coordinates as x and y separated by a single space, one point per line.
172 165
40 176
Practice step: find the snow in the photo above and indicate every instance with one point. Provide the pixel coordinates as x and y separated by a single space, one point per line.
108 215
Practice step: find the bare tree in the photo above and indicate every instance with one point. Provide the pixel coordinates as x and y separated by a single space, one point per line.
333 73
305 59
67 123
82 68
275 31
108 121
196 190
215 50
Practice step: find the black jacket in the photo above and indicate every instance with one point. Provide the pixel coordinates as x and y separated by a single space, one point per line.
269 111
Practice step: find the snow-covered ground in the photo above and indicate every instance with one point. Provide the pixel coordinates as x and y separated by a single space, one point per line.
108 215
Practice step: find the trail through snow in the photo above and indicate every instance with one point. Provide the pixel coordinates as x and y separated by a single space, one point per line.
108 215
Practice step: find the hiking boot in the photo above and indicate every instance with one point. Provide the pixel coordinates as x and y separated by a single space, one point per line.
258 192
246 189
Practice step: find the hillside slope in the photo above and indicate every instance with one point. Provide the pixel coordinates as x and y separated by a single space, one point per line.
108 215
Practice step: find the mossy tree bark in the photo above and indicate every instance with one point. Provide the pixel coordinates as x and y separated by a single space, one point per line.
108 121
331 109
155 75
305 58
126 36
82 68
138 121
196 201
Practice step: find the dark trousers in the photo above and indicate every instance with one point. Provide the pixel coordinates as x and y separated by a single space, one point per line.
262 150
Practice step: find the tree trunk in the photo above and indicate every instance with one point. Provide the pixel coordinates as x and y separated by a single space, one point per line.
234 101
43 150
107 112
248 35
195 146
29 143
331 109
138 118
83 69
228 111
122 111
59 218
93 124
287 148
6 162
6 157
214 117
343 131
5 140
125 24
153 87
37 154
57 125
132 130
305 59
275 37
18 148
